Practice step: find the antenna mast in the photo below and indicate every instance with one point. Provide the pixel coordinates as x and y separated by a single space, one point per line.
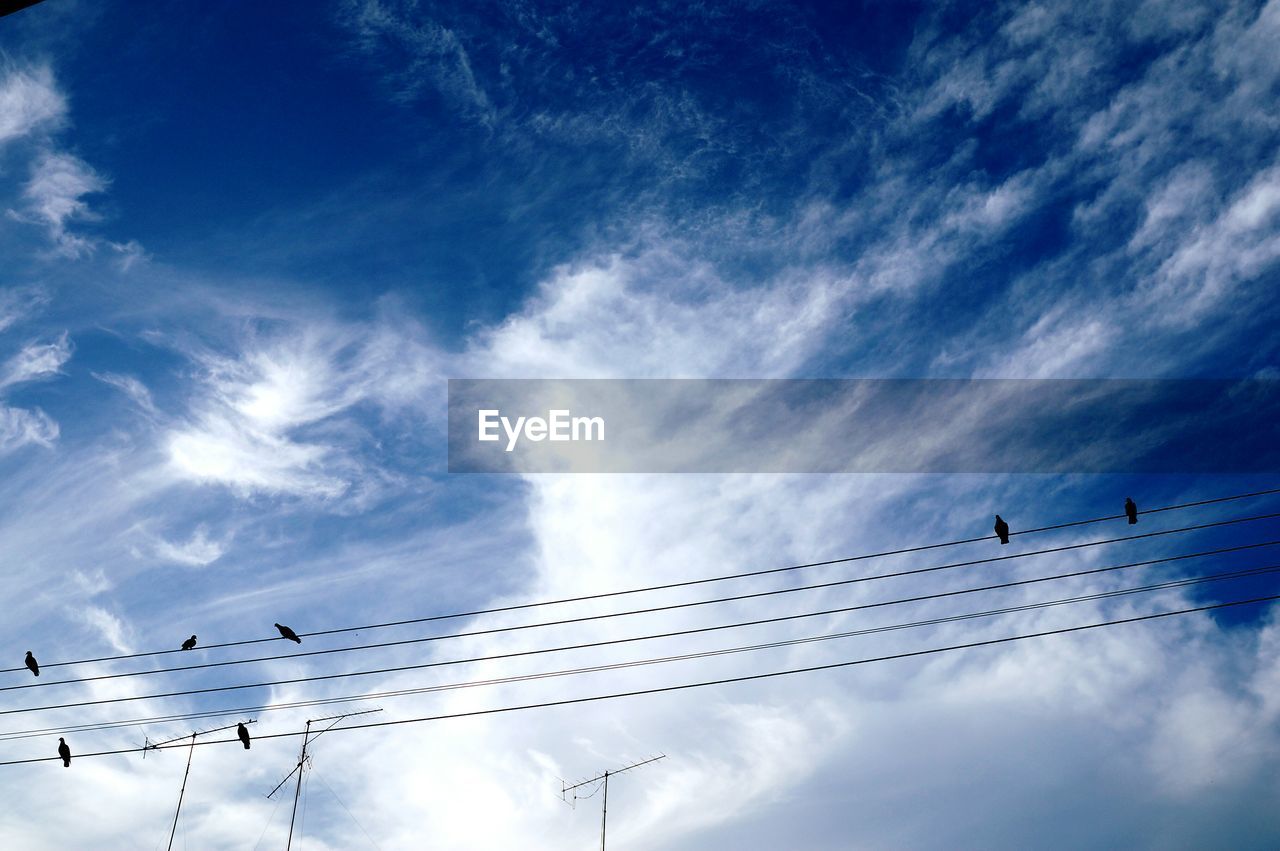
604 806
190 753
302 758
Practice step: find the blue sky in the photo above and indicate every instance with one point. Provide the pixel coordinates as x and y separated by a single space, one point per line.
245 245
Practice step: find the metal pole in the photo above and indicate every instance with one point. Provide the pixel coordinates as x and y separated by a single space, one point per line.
190 753
604 810
298 789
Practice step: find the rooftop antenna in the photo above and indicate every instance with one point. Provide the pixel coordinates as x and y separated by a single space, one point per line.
150 745
307 739
604 806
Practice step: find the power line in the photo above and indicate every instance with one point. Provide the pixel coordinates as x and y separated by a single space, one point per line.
896 574
216 713
706 580
609 615
1178 583
707 683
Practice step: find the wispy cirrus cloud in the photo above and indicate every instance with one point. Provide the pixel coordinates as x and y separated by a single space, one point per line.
198 551
112 629
55 198
36 361
283 414
17 304
29 100
21 426
131 387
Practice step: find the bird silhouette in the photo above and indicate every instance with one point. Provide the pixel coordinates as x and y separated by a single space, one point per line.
33 664
1002 529
64 752
1131 510
189 644
243 732
285 632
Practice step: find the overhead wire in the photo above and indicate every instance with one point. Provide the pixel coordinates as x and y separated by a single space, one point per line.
704 683
1258 571
671 607
873 577
692 582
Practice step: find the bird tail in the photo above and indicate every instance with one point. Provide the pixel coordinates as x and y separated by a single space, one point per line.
246 745
66 763
296 640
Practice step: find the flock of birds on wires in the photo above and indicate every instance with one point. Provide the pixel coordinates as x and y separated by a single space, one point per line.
242 732
1002 533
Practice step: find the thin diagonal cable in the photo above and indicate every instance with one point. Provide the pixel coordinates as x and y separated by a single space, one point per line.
228 712
344 807
638 663
651 610
702 581
707 683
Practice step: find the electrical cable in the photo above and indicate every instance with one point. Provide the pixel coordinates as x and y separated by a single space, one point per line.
1177 583
690 582
704 683
609 615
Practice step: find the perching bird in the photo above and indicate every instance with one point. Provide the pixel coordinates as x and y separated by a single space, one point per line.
1131 510
243 733
189 644
285 632
33 664
1002 529
64 752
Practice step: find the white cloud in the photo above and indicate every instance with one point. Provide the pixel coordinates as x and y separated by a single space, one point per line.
199 551
282 417
16 304
112 629
29 100
55 197
92 582
36 361
20 427
660 314
437 56
1241 244
131 387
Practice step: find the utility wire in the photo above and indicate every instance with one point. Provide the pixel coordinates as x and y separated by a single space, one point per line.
692 582
703 683
608 615
95 727
1178 583
702 581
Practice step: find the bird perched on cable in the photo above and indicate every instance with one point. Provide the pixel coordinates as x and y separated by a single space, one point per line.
64 752
1002 529
189 644
243 732
1131 510
33 664
285 632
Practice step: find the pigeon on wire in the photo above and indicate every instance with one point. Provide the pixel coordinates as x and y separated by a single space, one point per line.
189 644
1131 510
243 732
33 664
1002 529
64 752
285 632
